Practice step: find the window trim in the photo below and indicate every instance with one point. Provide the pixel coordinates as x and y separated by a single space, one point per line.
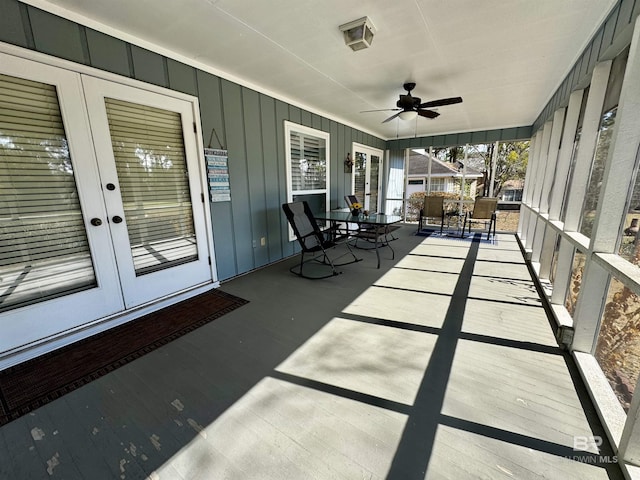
290 127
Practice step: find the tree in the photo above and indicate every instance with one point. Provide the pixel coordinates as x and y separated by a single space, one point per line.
511 164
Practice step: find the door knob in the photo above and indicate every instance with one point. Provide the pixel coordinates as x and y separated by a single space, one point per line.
116 219
111 186
96 222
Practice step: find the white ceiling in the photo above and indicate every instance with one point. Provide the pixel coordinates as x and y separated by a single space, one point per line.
504 57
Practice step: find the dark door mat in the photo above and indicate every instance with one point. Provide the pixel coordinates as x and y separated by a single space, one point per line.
29 385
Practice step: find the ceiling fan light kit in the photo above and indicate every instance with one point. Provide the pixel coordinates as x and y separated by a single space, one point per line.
358 34
408 115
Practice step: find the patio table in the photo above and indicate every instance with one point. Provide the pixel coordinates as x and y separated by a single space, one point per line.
373 228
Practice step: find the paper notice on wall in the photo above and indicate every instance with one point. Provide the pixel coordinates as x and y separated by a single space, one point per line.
218 174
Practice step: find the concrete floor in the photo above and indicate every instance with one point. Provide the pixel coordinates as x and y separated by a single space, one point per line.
441 364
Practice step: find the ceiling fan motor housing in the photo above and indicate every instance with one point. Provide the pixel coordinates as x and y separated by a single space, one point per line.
407 102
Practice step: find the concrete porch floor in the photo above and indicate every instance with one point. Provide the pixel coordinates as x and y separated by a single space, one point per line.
441 364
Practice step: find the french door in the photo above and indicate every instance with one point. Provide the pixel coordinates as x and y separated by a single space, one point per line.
367 176
100 205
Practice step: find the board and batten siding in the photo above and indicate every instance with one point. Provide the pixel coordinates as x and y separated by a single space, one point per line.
249 124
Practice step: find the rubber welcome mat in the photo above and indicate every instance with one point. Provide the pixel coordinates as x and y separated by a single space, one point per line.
29 385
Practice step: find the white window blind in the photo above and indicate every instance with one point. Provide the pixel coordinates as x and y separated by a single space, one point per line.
44 251
308 162
149 152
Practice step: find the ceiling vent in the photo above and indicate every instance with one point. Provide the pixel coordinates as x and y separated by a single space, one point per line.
358 34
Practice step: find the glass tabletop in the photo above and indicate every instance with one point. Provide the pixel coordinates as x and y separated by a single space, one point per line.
344 215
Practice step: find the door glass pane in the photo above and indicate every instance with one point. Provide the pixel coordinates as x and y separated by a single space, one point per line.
44 252
360 176
148 147
373 183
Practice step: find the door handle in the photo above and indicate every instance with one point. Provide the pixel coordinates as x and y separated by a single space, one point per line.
96 222
116 219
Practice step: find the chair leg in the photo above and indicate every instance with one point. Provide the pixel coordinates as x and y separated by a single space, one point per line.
325 261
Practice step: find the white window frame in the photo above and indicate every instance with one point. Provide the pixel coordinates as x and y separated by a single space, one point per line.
290 127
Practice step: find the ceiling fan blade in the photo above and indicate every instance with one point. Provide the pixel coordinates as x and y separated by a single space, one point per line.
442 102
428 113
391 117
382 110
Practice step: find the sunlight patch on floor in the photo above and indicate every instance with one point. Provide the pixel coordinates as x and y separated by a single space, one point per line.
376 360
282 430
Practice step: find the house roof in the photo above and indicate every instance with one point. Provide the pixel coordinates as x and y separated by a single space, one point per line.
419 167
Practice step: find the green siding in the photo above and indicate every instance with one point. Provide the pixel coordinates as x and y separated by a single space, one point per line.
149 66
273 184
255 175
57 36
108 53
182 77
11 23
241 210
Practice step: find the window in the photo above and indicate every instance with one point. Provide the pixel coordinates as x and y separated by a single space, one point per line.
575 283
597 172
307 153
439 185
618 346
605 133
512 195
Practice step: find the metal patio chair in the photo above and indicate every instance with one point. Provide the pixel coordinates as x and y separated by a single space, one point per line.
432 208
484 212
312 241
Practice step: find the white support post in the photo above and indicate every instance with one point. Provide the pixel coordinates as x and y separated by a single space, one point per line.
543 164
430 154
494 161
531 231
546 253
530 179
538 237
564 157
534 232
563 273
587 146
552 159
586 318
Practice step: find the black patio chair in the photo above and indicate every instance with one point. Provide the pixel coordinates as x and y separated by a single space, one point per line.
313 241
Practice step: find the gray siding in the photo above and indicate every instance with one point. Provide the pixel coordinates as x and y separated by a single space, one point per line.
250 125
453 139
608 41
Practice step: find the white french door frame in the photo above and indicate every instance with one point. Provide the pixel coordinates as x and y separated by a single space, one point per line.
25 335
369 151
140 289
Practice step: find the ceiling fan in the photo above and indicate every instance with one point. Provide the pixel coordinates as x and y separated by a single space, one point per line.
409 107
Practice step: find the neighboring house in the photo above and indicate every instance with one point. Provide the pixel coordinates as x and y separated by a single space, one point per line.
444 176
511 191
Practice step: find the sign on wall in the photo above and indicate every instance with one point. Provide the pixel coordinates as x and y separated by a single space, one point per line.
218 174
